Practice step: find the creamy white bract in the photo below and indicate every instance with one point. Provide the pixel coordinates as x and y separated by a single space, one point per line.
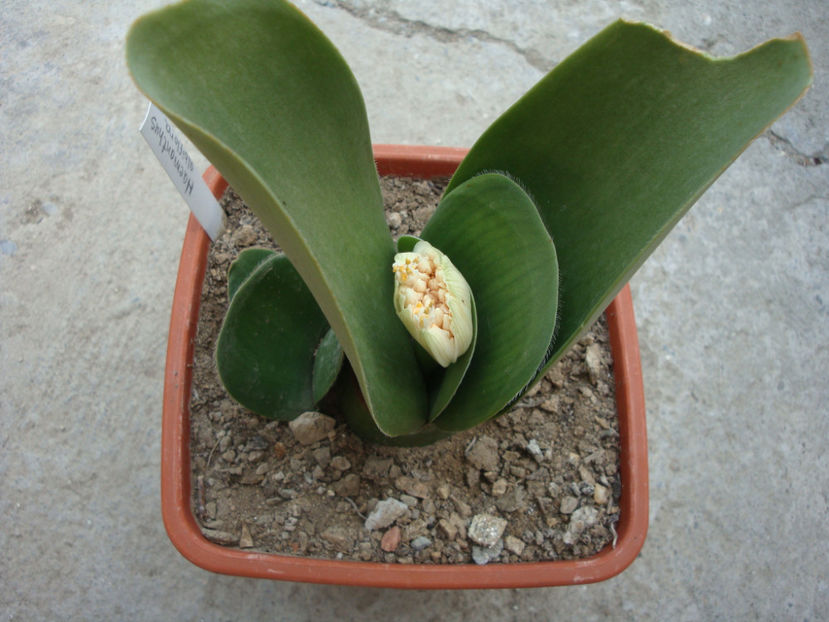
434 302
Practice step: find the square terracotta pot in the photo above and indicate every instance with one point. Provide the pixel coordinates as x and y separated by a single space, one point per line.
181 524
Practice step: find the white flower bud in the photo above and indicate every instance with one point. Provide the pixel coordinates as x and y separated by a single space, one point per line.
434 302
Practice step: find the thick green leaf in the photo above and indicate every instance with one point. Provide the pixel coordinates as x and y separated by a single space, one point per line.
328 361
265 351
243 266
492 232
353 407
269 100
406 243
617 142
261 371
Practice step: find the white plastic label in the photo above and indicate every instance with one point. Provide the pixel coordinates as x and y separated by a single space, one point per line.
164 140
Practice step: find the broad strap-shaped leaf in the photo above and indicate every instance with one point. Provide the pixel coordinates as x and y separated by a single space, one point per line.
353 407
491 231
328 361
266 349
283 120
617 142
257 372
442 383
243 266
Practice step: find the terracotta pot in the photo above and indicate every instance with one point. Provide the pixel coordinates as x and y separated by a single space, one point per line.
175 452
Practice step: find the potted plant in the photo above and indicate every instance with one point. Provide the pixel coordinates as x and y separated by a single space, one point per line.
542 224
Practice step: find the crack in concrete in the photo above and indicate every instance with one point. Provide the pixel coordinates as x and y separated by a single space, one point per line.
785 146
392 22
806 201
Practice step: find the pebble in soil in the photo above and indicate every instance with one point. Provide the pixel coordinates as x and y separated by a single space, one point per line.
547 471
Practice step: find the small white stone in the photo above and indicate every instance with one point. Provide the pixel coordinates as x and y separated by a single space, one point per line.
448 527
601 494
580 520
484 554
593 361
568 505
245 540
409 500
514 545
484 454
340 463
311 427
385 513
394 219
486 529
420 543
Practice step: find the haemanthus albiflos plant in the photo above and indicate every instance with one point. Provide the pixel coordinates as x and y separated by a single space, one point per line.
554 208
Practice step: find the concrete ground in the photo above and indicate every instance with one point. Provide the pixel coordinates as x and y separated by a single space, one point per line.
733 314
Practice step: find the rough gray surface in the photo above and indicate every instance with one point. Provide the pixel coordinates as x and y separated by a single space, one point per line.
732 313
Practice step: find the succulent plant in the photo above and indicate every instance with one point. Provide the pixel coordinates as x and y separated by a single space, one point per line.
548 216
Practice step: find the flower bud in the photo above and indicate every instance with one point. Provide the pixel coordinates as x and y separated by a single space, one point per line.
433 301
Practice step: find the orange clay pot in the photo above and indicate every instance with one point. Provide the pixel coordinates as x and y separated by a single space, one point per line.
181 524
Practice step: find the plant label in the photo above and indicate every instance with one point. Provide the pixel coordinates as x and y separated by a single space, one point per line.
169 148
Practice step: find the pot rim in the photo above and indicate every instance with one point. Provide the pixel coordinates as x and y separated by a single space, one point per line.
180 522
